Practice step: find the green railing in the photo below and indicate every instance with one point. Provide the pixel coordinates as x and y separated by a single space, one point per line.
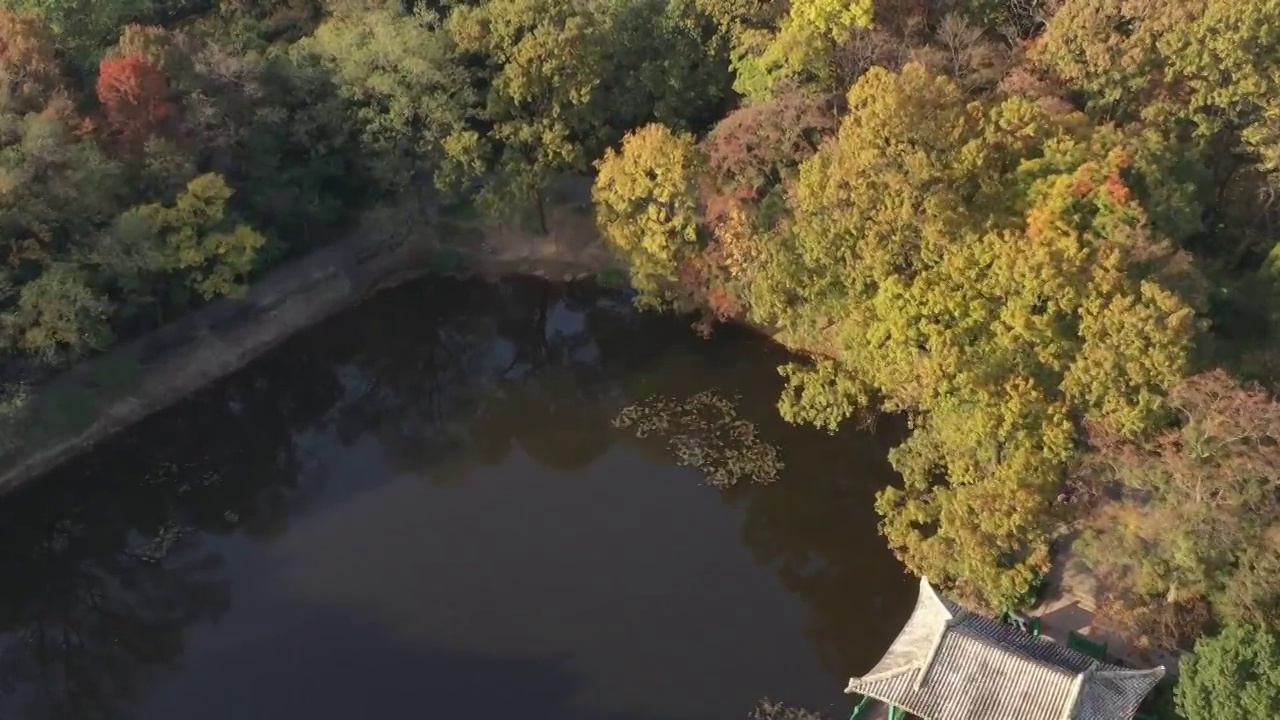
866 700
1028 625
1092 648
895 712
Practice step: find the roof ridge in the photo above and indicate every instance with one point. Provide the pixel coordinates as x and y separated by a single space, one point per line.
1109 669
947 624
1069 707
1006 648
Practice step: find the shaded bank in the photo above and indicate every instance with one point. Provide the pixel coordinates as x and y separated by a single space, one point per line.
105 395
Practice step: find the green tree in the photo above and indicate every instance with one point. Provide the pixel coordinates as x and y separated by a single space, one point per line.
1234 675
795 53
1204 70
735 19
1169 59
836 19
647 206
566 81
667 64
801 48
279 131
57 317
56 189
544 63
411 99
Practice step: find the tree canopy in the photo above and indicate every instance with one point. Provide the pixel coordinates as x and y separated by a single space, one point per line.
646 203
1030 251
1234 675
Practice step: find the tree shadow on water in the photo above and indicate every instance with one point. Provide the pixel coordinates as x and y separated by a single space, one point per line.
83 631
107 564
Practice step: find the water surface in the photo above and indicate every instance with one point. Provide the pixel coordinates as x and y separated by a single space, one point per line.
419 509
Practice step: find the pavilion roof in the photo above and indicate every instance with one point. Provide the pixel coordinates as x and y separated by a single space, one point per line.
948 663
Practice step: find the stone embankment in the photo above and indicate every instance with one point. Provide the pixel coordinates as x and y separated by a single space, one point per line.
93 401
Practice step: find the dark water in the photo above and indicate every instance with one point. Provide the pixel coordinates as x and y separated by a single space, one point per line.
420 510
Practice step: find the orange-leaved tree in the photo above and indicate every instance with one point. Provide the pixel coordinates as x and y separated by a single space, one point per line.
135 97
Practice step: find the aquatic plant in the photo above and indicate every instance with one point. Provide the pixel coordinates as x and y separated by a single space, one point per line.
770 710
705 432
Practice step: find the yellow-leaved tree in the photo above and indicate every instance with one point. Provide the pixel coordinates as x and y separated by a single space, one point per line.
999 273
800 48
197 241
647 205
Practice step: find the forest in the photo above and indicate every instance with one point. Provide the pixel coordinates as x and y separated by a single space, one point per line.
1043 231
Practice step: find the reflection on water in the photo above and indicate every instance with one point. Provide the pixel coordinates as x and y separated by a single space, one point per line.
420 509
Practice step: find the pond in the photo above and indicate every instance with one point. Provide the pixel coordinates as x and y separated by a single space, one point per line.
422 509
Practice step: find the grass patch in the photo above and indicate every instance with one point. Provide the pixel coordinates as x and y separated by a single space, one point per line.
68 409
461 235
1159 703
465 211
15 407
116 374
446 260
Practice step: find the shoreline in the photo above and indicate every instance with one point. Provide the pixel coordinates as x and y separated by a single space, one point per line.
102 396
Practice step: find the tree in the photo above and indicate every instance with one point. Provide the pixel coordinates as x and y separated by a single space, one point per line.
1195 508
29 69
544 61
134 96
666 64
735 18
1166 59
996 271
567 81
752 157
836 19
166 51
1234 675
754 149
800 48
646 205
278 129
411 99
1203 69
795 53
56 190
85 28
211 251
58 317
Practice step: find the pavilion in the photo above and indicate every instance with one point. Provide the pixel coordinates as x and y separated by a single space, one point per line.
948 663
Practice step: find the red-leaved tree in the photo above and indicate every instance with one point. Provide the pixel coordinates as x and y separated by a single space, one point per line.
134 97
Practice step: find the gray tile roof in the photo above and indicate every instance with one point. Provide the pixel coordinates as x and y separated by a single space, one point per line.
951 664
